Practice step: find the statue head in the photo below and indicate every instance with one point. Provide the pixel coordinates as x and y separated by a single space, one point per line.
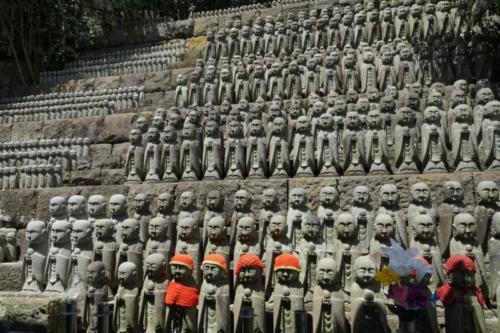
464 226
420 194
214 267
165 202
352 120
81 232
141 203
215 200
96 274
216 228
187 229
277 226
311 227
389 196
36 233
249 268
424 227
361 196
104 229
135 136
60 233
298 197
345 226
157 228
484 95
432 115
57 207
364 271
453 192
187 200
189 131
96 205
303 125
142 124
155 266
383 227
181 266
328 196
326 272
374 119
492 110
460 271
118 205
241 200
270 198
287 268
127 274
130 229
76 205
487 192
246 229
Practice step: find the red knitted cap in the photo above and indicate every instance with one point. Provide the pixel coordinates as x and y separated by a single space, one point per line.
181 295
248 260
459 262
215 259
287 261
182 259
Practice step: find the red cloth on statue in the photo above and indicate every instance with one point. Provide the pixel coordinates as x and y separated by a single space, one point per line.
447 296
181 295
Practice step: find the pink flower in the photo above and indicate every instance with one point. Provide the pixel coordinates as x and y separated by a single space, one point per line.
399 294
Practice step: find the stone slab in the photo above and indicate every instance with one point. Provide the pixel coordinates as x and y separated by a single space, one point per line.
117 126
102 157
26 131
11 276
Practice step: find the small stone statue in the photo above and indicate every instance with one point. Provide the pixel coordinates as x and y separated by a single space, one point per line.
277 242
134 160
288 294
97 293
298 213
389 205
464 146
327 141
406 139
270 207
328 303
58 210
249 292
362 212
463 302
247 238
170 155
181 296
190 155
58 261
152 156
490 133
35 257
142 214
256 164
367 307
376 148
234 151
126 303
383 231
217 238
212 152
302 160
487 194
105 248
96 208
213 308
434 155
160 237
152 299
312 249
214 208
77 209
420 203
82 255
118 210
353 145
278 152
242 208
187 208
188 242
327 212
131 246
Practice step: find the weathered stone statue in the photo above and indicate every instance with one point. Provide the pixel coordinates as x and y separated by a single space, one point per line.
420 203
487 196
363 214
188 242
490 133
406 139
242 208
190 155
278 151
302 160
327 213
353 145
187 208
57 210
58 260
118 211
35 257
96 293
383 231
170 154
131 246
389 205
126 303
256 164
152 299
434 155
270 208
312 249
463 302
105 248
142 214
160 237
464 146
77 209
376 148
97 208
217 238
298 213
134 160
181 91
212 152
213 308
464 242
327 140
247 238
234 151
182 296
152 156
249 292
367 307
327 302
424 240
81 256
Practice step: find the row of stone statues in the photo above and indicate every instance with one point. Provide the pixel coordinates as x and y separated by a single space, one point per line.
77 237
119 98
38 175
226 11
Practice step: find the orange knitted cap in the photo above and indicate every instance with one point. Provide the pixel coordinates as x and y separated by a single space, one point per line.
182 259
215 259
287 261
248 260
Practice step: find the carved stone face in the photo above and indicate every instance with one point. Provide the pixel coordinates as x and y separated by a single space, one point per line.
484 95
383 227
389 195
454 192
127 273
235 129
35 232
326 121
81 232
187 200
286 276
76 205
241 200
141 202
361 195
103 229
432 115
187 228
57 206
96 273
493 110
256 128
155 265
153 134
142 124
216 228
277 226
130 229
96 205
245 229
214 200
345 226
157 228
135 136
298 197
250 274
352 120
269 198
165 202
487 192
465 226
60 233
424 227
117 205
311 228
326 272
374 119
420 193
179 272
364 271
303 125
328 196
